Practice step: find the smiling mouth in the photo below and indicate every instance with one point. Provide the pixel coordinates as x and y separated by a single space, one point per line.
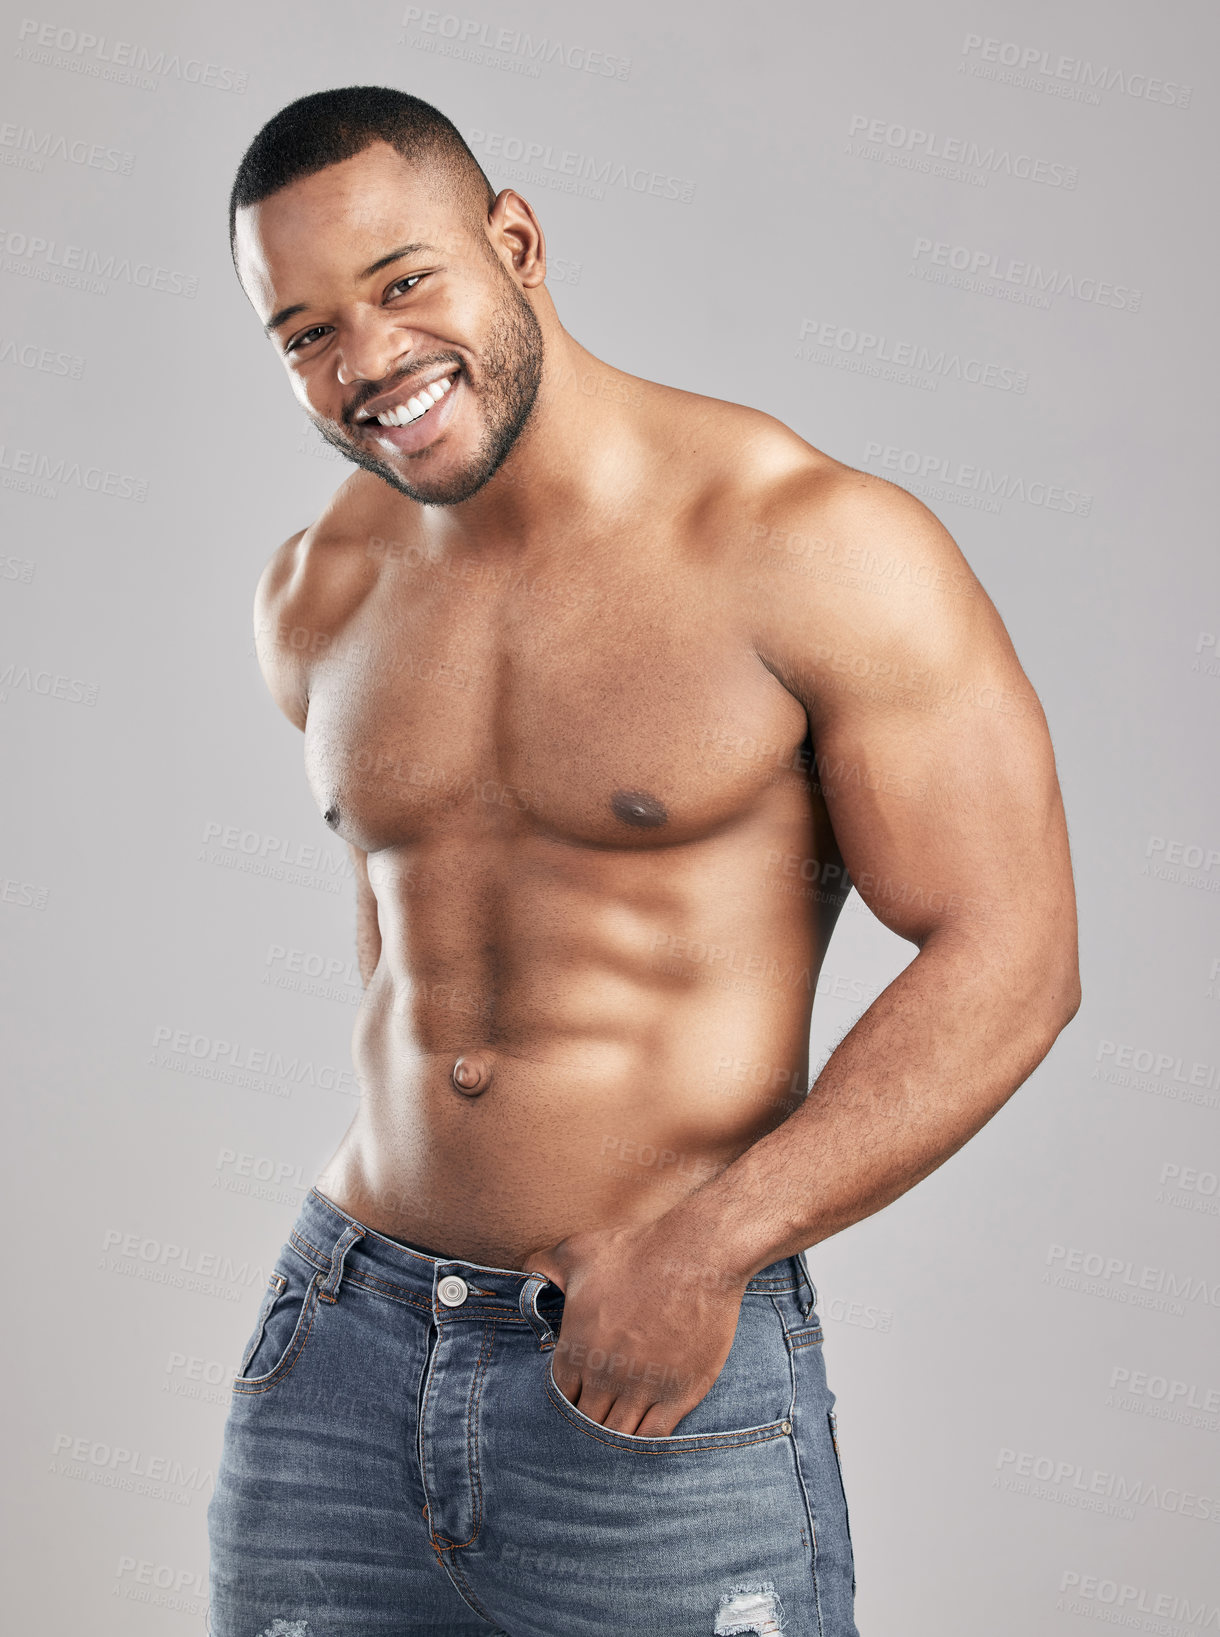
413 408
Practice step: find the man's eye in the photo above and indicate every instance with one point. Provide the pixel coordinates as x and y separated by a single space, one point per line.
411 278
300 340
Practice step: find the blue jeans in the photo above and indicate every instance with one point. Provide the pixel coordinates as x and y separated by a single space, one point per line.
397 1459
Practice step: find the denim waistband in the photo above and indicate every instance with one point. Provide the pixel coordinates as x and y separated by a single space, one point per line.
341 1247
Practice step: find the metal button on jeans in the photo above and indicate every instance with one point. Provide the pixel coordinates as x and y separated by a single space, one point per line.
452 1290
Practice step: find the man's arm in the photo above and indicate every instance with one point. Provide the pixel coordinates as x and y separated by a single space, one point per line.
939 777
279 658
283 634
368 930
956 840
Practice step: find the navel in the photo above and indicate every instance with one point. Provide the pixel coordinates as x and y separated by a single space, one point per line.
637 807
471 1074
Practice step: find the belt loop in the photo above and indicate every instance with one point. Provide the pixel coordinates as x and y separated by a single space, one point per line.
807 1295
328 1290
529 1308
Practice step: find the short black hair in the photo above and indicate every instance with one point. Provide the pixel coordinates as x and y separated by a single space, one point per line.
328 127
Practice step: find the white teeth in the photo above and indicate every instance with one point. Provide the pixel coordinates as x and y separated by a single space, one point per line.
404 414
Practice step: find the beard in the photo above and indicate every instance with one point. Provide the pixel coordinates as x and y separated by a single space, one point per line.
510 370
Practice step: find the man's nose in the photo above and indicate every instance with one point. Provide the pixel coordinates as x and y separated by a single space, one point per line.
370 352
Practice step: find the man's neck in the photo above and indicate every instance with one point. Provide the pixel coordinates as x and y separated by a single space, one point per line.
584 452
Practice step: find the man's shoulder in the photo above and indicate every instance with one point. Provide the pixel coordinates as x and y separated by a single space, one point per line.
312 584
771 485
340 553
822 535
844 578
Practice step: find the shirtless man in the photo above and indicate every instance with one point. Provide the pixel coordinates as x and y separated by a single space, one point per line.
613 690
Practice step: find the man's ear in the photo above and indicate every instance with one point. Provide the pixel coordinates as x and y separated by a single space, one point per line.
513 224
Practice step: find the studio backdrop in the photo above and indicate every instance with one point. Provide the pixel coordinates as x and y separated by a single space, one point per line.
967 246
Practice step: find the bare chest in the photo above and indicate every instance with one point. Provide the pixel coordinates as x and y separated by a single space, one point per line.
613 709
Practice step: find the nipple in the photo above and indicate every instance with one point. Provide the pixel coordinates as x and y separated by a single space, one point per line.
639 808
472 1075
331 815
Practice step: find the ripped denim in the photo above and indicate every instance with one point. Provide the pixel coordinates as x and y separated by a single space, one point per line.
398 1459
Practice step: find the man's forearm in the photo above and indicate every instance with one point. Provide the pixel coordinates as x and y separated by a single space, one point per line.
928 1064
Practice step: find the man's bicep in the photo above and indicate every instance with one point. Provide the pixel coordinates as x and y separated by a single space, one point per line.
278 657
943 796
931 746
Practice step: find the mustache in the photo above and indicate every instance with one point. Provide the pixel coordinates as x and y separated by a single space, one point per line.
374 389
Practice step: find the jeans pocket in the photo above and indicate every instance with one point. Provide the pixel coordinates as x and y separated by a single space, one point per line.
675 1444
284 1322
275 1285
756 1377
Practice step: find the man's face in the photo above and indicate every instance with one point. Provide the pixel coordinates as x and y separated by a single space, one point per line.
373 289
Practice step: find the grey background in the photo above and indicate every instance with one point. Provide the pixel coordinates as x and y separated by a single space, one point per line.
1016 1449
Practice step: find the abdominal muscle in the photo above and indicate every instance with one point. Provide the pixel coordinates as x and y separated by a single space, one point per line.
557 1041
